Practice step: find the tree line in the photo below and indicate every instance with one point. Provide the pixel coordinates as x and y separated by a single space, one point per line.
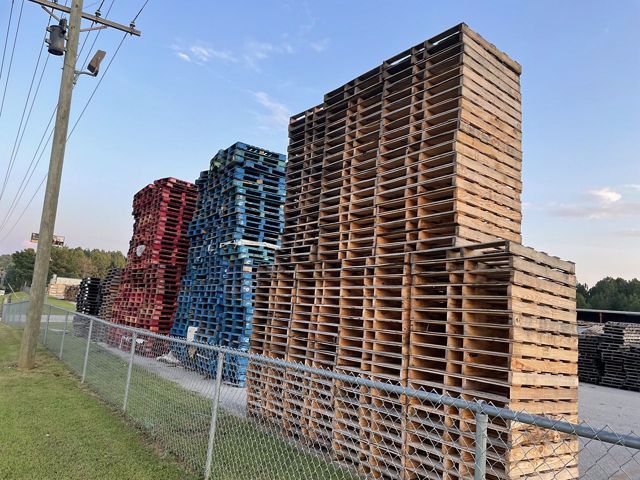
610 294
17 270
65 262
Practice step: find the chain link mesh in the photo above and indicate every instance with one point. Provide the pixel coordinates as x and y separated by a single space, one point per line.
229 415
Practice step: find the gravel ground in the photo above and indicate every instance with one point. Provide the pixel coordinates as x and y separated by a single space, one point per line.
233 399
610 409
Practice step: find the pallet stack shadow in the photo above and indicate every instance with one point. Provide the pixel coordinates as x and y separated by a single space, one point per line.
610 355
87 302
156 260
236 228
401 263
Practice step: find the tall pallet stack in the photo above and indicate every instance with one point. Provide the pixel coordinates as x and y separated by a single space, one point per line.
157 256
236 228
620 354
87 302
109 288
88 297
590 365
401 263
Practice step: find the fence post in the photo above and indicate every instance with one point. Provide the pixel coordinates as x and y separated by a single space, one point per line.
46 327
131 355
64 332
86 352
214 415
480 469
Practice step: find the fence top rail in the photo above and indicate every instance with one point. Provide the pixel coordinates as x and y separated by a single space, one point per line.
585 431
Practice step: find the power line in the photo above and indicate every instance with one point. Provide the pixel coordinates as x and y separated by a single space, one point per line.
26 207
86 59
19 194
13 50
72 130
14 150
97 86
139 11
6 38
79 117
30 171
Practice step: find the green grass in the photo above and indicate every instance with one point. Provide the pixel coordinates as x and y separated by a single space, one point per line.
52 427
15 297
172 418
179 420
56 302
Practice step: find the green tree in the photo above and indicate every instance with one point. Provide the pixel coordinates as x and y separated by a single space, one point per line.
21 268
612 294
65 262
582 295
5 264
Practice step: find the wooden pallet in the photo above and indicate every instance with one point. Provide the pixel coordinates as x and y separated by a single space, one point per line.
400 264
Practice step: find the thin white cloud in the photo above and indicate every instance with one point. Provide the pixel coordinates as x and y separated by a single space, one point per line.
601 203
596 211
277 114
201 54
205 54
310 22
183 56
250 54
255 52
632 232
606 195
632 186
320 46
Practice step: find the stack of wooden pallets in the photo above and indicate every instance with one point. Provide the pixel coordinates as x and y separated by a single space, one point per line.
619 349
157 256
401 263
236 228
590 365
87 302
88 297
109 291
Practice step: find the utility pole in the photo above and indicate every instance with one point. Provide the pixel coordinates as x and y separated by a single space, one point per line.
47 222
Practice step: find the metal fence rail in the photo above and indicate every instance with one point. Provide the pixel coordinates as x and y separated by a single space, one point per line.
167 387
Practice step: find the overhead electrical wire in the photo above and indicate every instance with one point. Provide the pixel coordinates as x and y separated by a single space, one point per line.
6 38
32 167
78 119
139 11
34 163
25 208
16 147
13 51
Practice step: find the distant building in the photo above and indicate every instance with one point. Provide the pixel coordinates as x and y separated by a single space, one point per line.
58 285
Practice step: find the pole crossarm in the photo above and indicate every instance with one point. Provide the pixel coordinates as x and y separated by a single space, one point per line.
87 16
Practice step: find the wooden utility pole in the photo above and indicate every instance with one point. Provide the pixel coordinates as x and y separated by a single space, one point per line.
47 222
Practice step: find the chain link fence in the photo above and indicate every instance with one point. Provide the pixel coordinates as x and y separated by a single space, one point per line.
227 414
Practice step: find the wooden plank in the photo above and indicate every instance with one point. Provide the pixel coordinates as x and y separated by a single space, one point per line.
545 259
503 57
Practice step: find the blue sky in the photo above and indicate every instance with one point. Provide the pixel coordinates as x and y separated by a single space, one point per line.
210 73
